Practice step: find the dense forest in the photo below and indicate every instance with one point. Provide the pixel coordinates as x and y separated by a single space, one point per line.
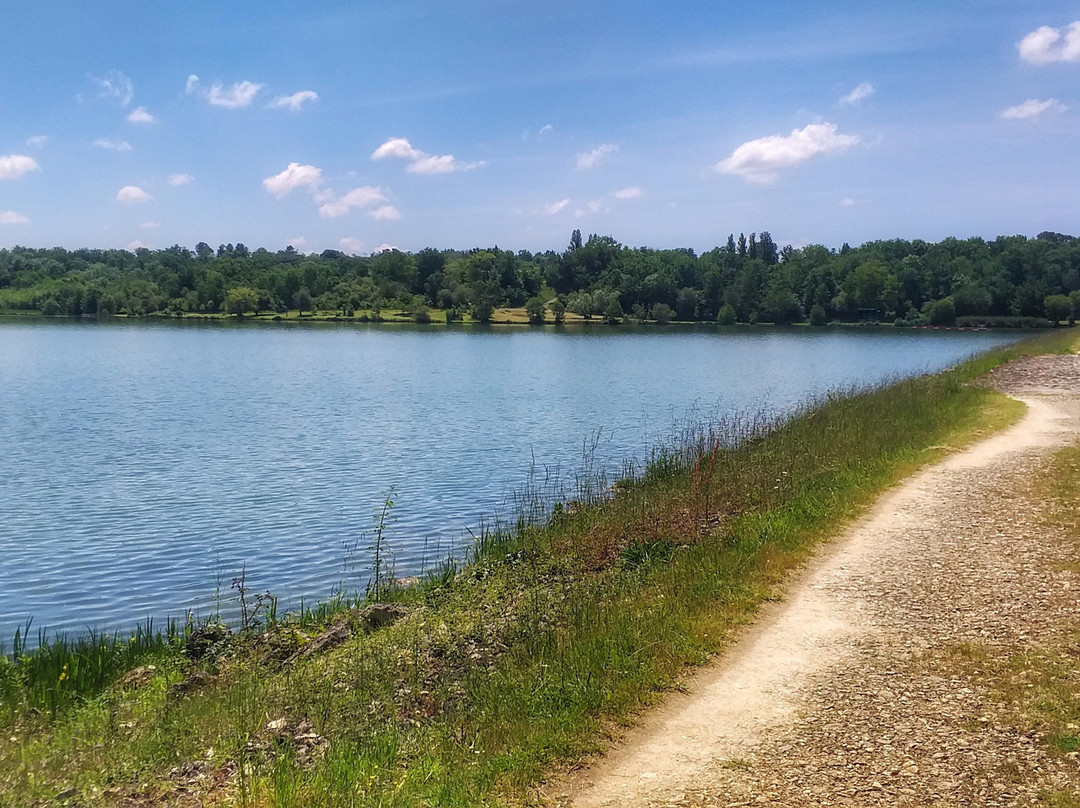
1012 280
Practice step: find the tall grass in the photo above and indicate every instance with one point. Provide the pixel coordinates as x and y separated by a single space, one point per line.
62 670
557 627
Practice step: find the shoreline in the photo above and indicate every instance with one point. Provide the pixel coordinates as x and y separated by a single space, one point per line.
548 635
516 318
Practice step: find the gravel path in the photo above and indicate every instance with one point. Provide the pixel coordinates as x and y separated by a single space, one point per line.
839 695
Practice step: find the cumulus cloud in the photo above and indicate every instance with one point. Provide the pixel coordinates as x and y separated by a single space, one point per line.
762 160
297 243
361 197
1045 45
130 194
848 201
352 246
112 145
590 158
293 177
176 180
555 207
114 86
858 95
234 96
37 141
14 166
140 115
420 162
132 246
633 192
294 101
384 247
385 213
1032 108
13 217
150 225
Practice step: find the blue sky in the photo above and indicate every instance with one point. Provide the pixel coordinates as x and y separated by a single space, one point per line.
459 124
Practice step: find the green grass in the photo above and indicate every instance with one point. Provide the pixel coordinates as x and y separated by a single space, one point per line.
532 655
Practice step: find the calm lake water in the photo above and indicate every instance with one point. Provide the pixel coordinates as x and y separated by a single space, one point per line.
145 464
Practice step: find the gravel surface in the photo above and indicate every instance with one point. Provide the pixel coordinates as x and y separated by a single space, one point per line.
843 694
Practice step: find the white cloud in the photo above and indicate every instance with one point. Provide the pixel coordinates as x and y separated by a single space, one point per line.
132 246
294 101
352 246
1045 45
384 247
546 129
356 198
762 160
14 166
13 217
113 145
37 141
176 180
848 201
297 243
150 225
590 158
858 95
555 207
396 147
293 177
234 96
116 86
633 192
591 207
1032 108
131 194
420 162
140 115
385 213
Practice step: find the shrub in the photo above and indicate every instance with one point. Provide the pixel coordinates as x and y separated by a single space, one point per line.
726 315
942 312
818 315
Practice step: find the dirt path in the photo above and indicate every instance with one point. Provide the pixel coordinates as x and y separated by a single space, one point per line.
837 696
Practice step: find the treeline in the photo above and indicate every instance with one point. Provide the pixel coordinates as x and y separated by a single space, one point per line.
1010 280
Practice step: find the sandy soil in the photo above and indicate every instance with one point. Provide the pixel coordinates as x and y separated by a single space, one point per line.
835 696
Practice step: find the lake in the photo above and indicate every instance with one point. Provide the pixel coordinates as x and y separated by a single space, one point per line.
147 463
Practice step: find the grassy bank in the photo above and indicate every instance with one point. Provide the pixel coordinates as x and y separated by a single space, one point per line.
494 675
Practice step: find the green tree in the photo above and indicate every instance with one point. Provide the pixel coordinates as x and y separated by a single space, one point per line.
241 299
662 313
302 300
558 310
726 315
613 311
1058 308
582 303
818 315
942 312
534 307
482 311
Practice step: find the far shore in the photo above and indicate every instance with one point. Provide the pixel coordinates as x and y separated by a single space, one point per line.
519 317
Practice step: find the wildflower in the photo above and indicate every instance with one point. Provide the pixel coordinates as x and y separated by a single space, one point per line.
132 640
63 675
